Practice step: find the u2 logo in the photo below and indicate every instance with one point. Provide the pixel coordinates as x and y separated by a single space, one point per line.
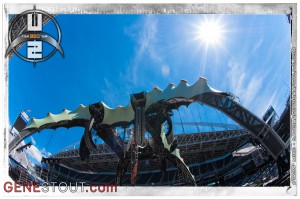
34 37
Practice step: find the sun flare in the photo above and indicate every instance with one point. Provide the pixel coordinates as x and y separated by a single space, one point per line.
210 32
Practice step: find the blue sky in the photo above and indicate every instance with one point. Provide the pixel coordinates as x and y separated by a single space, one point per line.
109 57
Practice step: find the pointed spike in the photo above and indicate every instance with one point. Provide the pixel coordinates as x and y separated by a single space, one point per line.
202 78
183 80
171 85
65 111
78 107
156 90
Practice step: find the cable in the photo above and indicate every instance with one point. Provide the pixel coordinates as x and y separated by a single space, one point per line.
198 104
221 120
49 141
195 120
180 119
207 119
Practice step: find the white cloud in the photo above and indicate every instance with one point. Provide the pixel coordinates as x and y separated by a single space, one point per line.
145 35
32 140
243 84
143 32
252 89
165 70
247 85
45 152
114 96
109 92
266 102
257 45
34 153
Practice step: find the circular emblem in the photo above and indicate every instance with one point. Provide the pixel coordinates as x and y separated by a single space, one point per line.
34 36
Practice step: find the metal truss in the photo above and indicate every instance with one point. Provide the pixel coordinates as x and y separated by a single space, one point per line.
188 139
210 124
170 177
19 138
195 148
101 149
183 140
264 133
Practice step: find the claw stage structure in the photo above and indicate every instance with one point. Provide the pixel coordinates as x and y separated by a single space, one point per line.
148 112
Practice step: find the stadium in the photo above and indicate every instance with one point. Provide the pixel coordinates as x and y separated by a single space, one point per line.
187 134
229 156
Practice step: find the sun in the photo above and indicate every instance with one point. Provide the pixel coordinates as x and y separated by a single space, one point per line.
210 32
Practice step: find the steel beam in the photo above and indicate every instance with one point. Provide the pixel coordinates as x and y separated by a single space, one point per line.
265 134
